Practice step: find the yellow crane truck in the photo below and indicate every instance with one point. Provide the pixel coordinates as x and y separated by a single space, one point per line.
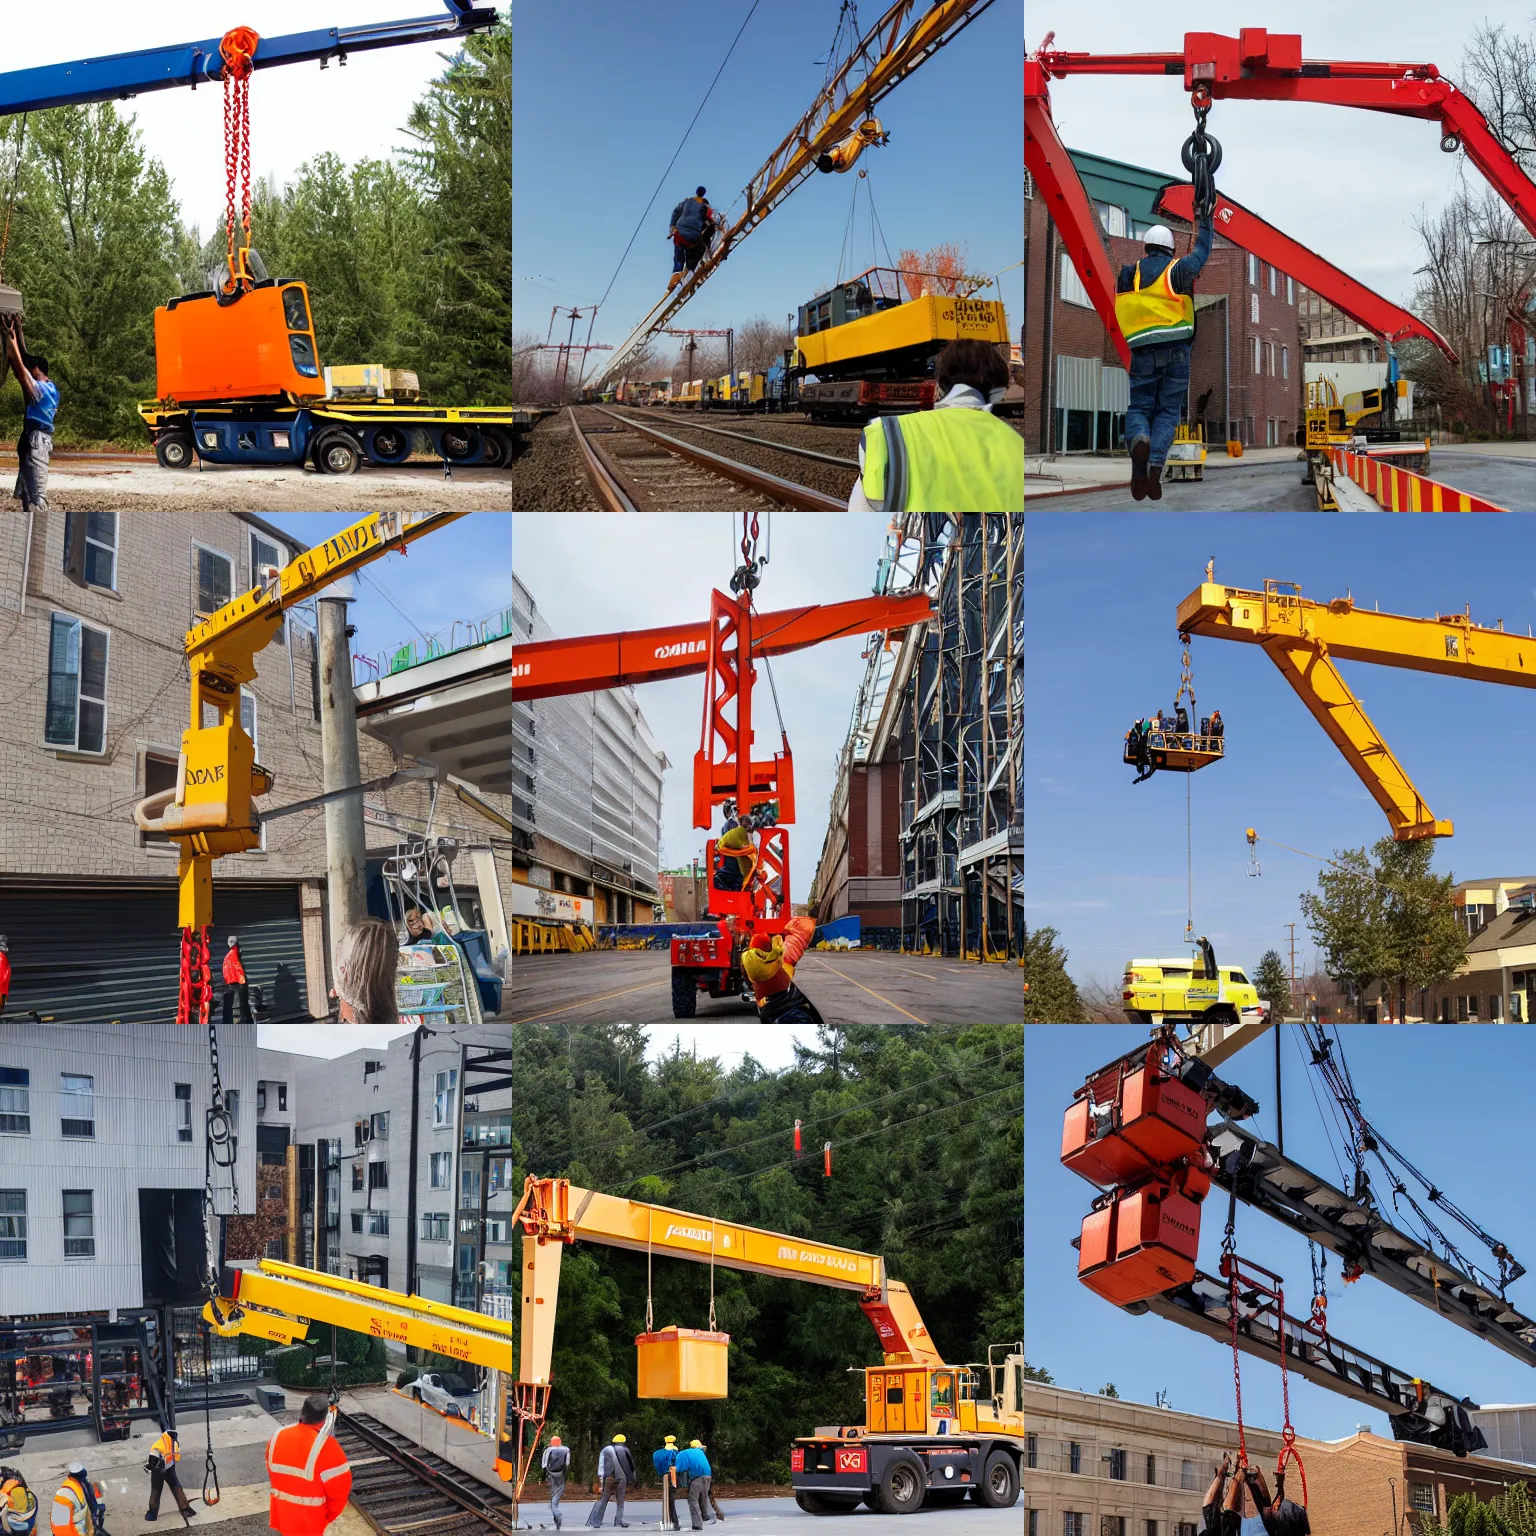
1191 987
932 1433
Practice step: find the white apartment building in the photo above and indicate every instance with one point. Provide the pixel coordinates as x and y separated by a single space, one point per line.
350 1119
90 1117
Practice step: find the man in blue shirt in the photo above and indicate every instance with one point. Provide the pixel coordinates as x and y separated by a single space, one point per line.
663 1460
693 1467
35 445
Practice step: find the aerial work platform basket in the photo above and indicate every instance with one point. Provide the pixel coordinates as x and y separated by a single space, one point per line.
1172 752
682 1363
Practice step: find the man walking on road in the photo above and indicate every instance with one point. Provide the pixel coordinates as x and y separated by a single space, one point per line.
693 1465
615 1471
556 1459
235 984
665 1461
163 1456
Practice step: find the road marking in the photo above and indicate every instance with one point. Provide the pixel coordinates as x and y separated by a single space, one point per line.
862 988
586 1002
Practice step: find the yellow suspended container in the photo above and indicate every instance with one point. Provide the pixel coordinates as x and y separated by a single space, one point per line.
682 1363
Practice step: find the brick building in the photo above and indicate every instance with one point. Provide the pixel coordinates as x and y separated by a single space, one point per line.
93 611
1097 1466
1245 365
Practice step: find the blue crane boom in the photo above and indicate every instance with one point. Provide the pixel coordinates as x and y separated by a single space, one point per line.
117 76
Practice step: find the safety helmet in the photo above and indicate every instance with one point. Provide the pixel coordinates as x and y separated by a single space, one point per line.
76 1469
669 1440
618 1440
1159 236
5 944
233 941
695 1445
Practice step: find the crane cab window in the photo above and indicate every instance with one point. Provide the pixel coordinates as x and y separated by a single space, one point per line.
942 1394
295 310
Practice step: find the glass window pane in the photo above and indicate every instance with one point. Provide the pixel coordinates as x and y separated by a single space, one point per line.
93 663
93 727
213 580
63 681
99 564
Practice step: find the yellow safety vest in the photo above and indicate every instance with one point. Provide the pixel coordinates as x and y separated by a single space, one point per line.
953 460
167 1449
1155 313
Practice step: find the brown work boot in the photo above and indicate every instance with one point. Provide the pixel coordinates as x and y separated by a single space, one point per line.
673 281
1140 451
1155 482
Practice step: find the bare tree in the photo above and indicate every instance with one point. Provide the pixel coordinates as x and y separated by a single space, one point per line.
1101 998
759 344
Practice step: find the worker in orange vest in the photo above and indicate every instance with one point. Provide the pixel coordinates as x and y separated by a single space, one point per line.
768 962
309 1472
18 1504
78 1507
161 1466
235 983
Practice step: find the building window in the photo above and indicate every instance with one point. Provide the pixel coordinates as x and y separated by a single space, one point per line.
1253 270
1074 1457
469 1186
261 1101
1031 1451
265 552
79 1224
183 1111
378 1176
1186 1528
1112 218
1494 1005
357 1176
467 1259
1290 291
496 1231
1269 358
13 1224
1285 362
215 578
90 548
378 1223
1111 1525
442 1169
1253 308
1032 1525
1421 1496
282 1097
1071 285
77 686
1117 1465
1187 1475
501 1174
378 1126
77 1104
1071 1522
1254 355
434 1227
442 1096
357 1221
1272 282
496 1132
1151 1470
232 1104
15 1101
160 773
1151 1528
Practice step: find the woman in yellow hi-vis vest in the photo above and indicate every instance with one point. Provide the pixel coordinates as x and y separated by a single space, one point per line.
958 457
1155 305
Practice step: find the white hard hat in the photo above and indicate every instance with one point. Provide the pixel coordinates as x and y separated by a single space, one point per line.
1159 235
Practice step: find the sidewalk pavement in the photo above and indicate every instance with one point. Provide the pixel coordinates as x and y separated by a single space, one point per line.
1064 473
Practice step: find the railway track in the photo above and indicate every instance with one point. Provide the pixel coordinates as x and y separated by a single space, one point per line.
636 467
767 442
402 1490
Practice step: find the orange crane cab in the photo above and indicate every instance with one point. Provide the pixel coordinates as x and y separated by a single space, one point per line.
262 346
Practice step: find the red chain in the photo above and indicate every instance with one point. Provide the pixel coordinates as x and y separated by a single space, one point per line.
1229 1263
194 998
238 51
1288 1450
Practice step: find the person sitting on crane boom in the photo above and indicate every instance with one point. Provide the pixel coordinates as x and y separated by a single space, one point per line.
1155 307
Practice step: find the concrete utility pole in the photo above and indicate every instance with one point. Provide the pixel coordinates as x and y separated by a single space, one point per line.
345 845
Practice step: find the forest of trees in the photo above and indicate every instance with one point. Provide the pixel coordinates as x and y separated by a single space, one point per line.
926 1127
408 259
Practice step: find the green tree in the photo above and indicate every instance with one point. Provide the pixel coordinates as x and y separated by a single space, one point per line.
1383 916
1109 1389
1050 994
1273 982
1038 1373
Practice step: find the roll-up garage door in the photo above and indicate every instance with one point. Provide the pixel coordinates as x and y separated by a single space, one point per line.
92 956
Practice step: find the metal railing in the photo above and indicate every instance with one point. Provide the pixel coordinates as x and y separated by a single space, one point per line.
461 635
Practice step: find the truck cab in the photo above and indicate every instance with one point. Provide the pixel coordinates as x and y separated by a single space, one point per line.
1190 987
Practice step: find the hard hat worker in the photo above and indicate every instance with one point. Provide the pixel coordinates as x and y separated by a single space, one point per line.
769 962
958 457
693 1467
709 1484
615 1471
235 984
34 447
1155 306
18 1504
665 1462
735 854
78 1507
309 1473
556 1461
161 1466
693 227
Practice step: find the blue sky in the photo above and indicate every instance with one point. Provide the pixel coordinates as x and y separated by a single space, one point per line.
1106 860
460 571
1426 1089
603 89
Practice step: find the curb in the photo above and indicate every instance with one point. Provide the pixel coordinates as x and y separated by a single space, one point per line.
1079 490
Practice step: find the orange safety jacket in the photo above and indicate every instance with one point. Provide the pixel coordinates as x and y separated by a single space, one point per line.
234 972
311 1479
166 1449
71 1515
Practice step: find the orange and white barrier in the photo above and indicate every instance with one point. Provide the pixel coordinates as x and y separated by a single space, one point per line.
1401 490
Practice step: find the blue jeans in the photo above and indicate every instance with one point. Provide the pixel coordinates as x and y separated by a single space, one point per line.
1159 383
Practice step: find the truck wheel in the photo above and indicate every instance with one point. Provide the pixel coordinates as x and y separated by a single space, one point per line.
685 995
498 449
999 1481
903 1484
175 449
337 454
1222 1013
460 443
814 1503
391 445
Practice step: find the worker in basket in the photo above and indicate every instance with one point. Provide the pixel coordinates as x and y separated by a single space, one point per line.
18 1504
1138 738
1155 307
735 856
769 962
694 224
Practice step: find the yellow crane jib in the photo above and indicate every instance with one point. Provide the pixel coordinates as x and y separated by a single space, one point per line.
210 812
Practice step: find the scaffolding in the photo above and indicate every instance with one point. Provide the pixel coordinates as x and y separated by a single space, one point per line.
586 784
960 740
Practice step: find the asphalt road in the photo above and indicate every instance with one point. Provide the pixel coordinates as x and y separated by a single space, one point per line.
848 987
766 1516
1277 487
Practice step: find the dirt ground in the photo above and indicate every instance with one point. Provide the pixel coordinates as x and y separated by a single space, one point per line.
84 485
